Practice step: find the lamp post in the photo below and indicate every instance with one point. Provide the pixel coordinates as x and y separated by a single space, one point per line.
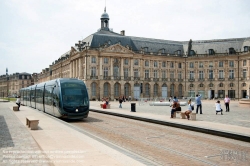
81 45
185 70
149 92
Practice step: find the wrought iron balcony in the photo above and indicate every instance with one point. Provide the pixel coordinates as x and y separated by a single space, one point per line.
221 79
164 79
107 78
243 79
191 80
180 79
136 78
127 78
201 79
231 79
94 77
147 79
155 79
210 79
117 77
172 79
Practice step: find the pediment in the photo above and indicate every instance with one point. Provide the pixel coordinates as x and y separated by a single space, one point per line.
117 48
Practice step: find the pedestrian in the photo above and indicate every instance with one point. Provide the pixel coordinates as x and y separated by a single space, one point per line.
129 98
189 110
120 102
18 102
198 103
227 101
175 107
170 98
218 107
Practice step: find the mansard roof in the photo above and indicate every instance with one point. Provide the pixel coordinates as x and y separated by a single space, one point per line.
104 37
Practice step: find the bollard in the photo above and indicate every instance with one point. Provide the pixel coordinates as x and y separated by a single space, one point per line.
133 107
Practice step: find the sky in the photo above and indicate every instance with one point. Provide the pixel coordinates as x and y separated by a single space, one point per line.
35 33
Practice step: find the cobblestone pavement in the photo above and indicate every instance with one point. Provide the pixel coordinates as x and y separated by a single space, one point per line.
166 145
16 143
238 116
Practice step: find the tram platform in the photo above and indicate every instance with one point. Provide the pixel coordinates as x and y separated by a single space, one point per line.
234 124
54 143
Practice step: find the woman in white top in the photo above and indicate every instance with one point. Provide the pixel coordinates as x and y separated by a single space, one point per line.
189 110
218 107
18 102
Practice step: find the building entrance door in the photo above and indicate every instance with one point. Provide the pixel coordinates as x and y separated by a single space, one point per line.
137 92
164 92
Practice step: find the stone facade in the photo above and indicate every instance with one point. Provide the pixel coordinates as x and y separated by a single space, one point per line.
11 84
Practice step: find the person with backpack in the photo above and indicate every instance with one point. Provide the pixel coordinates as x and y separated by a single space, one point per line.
189 110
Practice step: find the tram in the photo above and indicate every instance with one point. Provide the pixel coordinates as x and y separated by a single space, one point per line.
65 98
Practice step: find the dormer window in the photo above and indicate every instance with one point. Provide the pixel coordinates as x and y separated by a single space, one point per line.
246 48
145 49
192 53
178 52
211 52
163 51
231 51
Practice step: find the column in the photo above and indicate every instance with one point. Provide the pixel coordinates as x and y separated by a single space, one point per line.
122 73
80 68
70 70
100 67
111 67
131 68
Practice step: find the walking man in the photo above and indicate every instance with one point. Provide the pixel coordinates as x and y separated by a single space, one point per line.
227 101
198 103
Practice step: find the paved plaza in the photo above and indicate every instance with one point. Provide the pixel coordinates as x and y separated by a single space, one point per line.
15 136
238 116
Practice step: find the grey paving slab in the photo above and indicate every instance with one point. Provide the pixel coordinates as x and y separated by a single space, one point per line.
17 146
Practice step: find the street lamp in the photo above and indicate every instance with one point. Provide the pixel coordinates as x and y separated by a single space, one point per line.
81 45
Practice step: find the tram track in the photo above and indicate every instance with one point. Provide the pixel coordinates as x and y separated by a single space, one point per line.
161 144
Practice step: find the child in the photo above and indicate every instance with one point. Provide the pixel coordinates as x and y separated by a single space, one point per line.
218 107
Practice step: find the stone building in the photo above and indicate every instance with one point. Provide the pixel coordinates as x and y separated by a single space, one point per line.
11 84
112 64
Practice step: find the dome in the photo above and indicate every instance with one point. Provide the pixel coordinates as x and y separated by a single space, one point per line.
105 16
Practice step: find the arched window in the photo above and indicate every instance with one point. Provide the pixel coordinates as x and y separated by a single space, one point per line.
147 89
243 84
201 85
126 87
155 90
117 89
211 85
93 89
221 85
180 90
172 90
106 89
231 85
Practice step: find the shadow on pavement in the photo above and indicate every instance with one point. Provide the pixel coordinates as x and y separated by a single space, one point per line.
5 137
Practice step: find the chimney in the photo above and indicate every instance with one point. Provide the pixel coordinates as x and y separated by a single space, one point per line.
123 32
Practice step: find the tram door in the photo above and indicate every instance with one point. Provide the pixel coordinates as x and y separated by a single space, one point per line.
55 99
137 92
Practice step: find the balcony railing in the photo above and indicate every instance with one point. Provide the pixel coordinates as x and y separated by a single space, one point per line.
180 80
172 79
147 79
191 80
136 78
164 79
210 79
155 79
231 79
107 78
201 79
94 77
221 79
243 79
127 78
117 77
